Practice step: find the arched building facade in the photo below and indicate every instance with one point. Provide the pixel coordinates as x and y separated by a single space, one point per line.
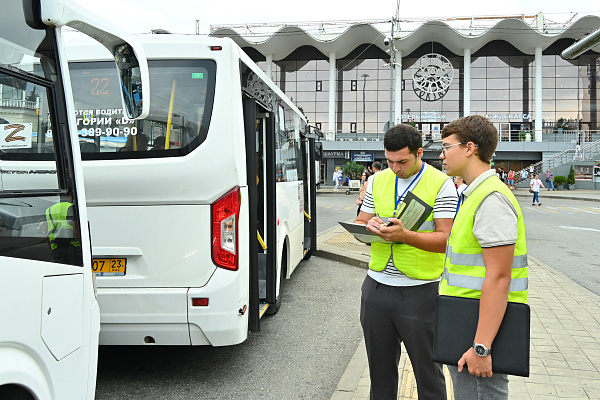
512 73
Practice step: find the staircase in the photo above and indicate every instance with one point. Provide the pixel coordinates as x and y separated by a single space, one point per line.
589 151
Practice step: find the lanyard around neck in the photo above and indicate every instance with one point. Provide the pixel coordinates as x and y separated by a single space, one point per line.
398 200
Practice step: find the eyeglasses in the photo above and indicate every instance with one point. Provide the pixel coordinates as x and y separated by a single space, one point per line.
444 148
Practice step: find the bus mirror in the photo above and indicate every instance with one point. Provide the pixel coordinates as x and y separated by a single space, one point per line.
318 151
130 79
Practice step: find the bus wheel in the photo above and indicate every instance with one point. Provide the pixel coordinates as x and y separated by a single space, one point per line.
274 308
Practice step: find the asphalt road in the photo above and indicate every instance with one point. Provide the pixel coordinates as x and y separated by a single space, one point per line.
300 353
565 235
334 207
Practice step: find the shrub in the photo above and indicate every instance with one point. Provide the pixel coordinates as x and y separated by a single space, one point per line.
560 180
353 170
571 177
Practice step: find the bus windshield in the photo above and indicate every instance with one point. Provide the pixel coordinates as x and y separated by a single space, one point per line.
180 111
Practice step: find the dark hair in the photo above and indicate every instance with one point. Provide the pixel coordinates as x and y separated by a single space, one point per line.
367 172
477 129
377 165
401 136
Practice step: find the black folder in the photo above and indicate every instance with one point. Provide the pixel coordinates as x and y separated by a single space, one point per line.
455 326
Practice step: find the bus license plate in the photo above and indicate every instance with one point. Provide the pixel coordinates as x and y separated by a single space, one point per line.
109 266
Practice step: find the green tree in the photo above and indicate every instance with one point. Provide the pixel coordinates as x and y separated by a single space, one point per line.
571 177
353 170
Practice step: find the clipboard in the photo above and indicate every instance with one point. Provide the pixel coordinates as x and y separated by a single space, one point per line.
413 213
456 321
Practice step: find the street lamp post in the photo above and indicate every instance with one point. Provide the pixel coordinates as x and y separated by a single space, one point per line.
392 73
364 76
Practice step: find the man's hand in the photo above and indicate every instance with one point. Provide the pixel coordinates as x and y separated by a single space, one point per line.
478 366
393 231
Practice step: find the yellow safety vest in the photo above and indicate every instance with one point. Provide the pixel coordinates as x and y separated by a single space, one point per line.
58 227
464 269
409 260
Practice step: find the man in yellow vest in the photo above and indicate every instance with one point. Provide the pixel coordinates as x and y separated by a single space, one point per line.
399 292
486 255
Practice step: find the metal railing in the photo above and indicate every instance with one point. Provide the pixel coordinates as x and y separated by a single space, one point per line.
588 152
14 103
503 137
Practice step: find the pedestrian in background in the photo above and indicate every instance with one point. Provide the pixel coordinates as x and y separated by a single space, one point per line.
461 185
336 179
511 180
549 180
578 153
535 184
363 189
486 252
401 286
376 169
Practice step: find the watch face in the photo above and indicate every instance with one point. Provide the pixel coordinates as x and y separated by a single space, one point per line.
479 350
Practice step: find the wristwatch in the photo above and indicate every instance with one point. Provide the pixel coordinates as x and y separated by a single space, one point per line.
481 350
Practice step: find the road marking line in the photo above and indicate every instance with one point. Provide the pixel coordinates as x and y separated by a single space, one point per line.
592 209
581 209
577 228
567 209
549 209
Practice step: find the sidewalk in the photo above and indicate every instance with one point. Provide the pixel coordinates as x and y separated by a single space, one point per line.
565 329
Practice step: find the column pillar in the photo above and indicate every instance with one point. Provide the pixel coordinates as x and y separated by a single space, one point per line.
269 69
538 94
467 82
330 135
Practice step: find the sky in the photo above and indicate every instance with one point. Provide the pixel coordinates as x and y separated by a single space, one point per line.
179 16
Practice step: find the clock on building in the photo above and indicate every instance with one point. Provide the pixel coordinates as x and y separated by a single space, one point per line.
432 76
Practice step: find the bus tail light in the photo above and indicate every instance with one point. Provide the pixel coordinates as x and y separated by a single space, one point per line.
225 214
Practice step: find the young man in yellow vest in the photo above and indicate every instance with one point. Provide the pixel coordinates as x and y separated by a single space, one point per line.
399 292
486 256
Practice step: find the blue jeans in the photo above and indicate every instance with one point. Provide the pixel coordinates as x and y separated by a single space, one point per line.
550 185
471 387
536 197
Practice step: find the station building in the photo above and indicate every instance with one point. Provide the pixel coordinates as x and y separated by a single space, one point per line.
352 84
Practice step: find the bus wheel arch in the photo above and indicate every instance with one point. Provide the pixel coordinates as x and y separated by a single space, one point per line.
15 392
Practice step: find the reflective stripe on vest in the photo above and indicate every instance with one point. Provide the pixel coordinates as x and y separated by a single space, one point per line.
477 259
476 283
464 268
413 262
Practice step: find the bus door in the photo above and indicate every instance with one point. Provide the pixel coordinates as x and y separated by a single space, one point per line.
309 150
261 177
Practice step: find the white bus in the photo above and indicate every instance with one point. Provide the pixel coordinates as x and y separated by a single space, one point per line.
198 212
49 319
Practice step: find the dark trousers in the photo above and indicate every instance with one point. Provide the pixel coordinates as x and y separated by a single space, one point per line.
391 315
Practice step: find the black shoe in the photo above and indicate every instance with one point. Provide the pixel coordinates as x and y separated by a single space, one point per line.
533 204
539 204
